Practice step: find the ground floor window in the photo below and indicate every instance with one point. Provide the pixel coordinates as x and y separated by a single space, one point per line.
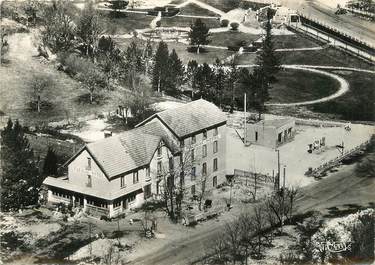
193 189
116 204
214 181
61 194
147 191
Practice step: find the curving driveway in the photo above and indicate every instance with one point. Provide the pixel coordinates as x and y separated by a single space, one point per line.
344 85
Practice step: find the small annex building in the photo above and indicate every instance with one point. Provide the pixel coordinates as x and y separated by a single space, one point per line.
270 133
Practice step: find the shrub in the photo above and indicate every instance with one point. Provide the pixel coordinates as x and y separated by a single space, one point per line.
158 23
234 25
224 23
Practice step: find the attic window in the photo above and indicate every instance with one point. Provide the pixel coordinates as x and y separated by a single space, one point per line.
88 163
204 135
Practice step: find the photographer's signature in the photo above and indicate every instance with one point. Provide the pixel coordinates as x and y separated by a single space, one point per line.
335 247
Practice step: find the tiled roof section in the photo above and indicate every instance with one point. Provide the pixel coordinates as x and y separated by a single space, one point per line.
277 123
155 127
192 117
124 152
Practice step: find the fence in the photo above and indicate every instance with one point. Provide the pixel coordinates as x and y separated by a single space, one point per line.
190 218
316 172
252 179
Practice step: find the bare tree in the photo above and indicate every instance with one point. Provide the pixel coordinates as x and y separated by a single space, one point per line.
218 250
291 195
232 236
39 86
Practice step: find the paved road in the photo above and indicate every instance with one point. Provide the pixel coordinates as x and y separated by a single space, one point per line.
353 26
339 189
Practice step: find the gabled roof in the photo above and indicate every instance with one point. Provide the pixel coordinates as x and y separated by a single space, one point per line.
122 153
190 118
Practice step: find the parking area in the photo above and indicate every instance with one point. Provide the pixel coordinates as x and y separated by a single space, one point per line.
294 155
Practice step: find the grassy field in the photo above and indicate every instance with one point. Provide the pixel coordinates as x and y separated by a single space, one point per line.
294 41
125 23
358 103
294 86
62 96
325 57
231 38
186 22
195 10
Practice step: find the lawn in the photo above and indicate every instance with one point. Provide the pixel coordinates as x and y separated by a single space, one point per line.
294 41
231 38
295 85
358 103
125 23
195 10
186 22
326 57
62 96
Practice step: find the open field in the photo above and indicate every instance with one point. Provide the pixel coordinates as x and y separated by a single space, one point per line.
232 38
125 23
63 96
326 57
195 10
185 22
358 103
294 41
296 86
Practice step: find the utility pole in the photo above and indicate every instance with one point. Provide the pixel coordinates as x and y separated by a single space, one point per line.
277 181
283 200
245 135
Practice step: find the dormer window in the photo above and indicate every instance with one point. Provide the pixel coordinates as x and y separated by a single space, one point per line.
160 150
204 135
122 182
135 177
88 167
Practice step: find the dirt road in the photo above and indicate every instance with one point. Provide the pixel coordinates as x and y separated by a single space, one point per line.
339 189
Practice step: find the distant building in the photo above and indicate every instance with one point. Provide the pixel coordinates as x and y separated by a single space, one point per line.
118 173
270 133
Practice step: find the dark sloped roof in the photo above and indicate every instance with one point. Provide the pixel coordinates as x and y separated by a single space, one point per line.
189 118
124 152
155 127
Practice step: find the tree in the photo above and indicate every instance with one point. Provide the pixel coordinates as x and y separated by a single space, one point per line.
92 79
117 5
88 28
203 81
4 45
20 182
160 69
199 34
50 163
264 73
40 85
58 27
110 58
231 82
220 79
176 74
191 72
133 64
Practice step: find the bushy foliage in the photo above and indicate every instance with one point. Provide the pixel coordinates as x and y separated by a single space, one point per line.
224 23
234 25
20 180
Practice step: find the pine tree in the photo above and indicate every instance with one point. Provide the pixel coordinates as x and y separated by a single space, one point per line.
231 82
176 74
203 80
160 70
220 79
50 163
199 34
264 73
20 180
133 63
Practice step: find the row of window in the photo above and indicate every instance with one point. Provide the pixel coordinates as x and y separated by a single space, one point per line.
214 184
204 150
194 139
135 178
215 167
